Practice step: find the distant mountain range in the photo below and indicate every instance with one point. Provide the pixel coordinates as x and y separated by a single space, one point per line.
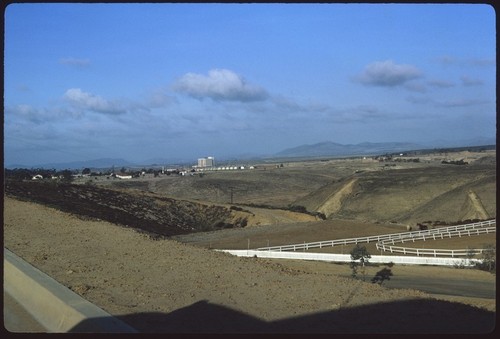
97 163
329 148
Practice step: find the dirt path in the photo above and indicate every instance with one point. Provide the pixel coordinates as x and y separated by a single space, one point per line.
477 205
334 202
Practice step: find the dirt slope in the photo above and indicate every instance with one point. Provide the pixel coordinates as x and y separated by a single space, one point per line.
162 286
409 196
153 214
474 207
334 203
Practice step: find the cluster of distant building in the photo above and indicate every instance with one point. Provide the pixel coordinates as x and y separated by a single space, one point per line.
208 164
204 164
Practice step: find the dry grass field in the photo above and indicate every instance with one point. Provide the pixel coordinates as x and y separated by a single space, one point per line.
167 278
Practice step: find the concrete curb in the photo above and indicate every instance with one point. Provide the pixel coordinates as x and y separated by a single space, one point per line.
53 305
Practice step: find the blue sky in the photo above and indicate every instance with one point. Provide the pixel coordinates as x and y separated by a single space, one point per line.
143 81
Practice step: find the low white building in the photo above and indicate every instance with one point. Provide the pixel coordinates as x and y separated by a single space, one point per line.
123 176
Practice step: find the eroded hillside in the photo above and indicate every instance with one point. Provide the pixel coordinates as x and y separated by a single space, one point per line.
446 193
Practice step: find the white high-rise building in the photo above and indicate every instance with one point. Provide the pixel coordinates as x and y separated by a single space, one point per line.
206 162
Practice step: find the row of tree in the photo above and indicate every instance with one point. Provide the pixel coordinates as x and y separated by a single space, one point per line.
28 174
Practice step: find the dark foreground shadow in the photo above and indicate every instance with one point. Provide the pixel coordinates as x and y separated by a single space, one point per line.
410 316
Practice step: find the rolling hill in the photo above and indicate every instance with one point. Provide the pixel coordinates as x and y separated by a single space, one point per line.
408 196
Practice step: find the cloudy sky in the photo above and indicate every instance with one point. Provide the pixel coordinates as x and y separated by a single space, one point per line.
142 81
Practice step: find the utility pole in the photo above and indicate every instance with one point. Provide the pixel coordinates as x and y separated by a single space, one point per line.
231 188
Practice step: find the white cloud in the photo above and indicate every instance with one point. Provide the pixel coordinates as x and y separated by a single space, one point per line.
24 112
467 81
469 62
89 101
415 87
441 83
453 103
388 74
291 105
27 114
159 98
461 103
219 85
419 100
75 62
482 62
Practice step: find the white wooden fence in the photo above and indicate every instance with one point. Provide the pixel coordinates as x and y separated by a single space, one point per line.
384 245
470 229
381 259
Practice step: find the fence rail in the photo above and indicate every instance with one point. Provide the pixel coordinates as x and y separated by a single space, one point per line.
330 257
436 233
383 245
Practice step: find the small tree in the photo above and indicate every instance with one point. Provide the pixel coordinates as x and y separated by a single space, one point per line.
67 175
471 253
359 257
488 258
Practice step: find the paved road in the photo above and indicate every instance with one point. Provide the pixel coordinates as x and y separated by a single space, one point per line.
17 319
453 287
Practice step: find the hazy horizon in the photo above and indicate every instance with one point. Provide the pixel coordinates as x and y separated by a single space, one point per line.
246 157
144 81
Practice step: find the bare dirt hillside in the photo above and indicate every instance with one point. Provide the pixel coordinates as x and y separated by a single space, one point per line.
153 214
163 286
